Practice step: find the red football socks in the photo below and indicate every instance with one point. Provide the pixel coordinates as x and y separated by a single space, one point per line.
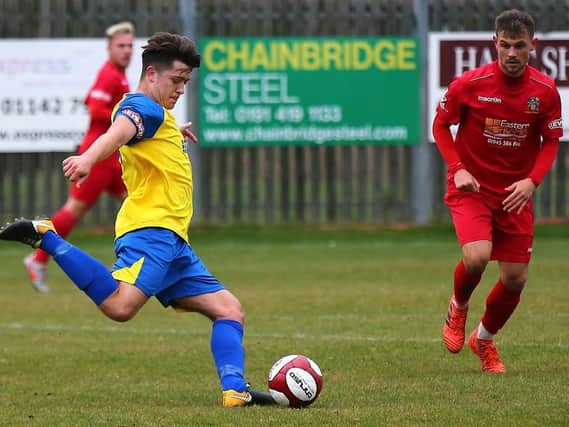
464 284
500 305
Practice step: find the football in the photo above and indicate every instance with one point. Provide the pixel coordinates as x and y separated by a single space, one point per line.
295 381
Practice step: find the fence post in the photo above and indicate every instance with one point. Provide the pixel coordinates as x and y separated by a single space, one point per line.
44 29
187 13
422 179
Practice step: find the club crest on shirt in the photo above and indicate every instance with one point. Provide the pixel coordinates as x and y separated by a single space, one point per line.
533 104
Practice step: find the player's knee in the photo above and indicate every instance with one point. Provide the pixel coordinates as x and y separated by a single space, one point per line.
119 313
476 262
77 208
233 311
238 314
515 281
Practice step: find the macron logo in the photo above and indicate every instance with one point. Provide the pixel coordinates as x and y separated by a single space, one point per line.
491 99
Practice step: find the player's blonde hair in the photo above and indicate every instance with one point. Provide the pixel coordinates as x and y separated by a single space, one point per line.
123 27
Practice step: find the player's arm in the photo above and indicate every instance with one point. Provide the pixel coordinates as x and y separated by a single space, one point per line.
445 142
75 168
522 190
463 180
551 130
99 110
100 100
544 160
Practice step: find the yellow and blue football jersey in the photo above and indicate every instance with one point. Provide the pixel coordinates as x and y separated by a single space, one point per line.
156 170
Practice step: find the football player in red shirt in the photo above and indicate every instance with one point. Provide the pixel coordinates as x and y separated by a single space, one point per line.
107 90
509 125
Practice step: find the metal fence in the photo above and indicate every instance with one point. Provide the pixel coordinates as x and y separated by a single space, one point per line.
312 184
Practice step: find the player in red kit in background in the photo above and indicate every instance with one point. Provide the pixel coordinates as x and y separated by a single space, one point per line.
107 90
509 117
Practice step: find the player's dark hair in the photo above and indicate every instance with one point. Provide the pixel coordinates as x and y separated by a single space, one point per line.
165 48
514 22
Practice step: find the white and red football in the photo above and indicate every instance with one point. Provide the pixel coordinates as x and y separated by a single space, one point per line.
295 381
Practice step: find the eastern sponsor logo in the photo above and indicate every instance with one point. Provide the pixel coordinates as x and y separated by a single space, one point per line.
533 104
492 99
556 124
504 133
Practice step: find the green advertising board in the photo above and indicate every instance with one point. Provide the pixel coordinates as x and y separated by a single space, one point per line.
298 91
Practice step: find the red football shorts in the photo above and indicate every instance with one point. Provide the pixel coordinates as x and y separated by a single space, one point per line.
104 176
478 216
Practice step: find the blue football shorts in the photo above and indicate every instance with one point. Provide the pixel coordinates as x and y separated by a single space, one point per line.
160 263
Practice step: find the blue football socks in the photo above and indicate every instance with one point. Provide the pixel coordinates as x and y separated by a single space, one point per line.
88 274
228 354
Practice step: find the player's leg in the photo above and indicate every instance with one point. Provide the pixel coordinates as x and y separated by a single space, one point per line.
226 313
86 272
504 297
500 305
123 304
128 299
67 217
196 289
225 310
467 274
512 247
63 220
472 222
80 200
469 270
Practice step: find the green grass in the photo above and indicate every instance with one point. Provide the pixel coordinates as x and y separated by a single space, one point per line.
366 304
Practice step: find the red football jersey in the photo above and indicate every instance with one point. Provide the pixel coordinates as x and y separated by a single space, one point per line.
502 122
107 90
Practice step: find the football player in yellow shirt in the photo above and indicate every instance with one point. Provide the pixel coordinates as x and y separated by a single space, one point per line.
154 257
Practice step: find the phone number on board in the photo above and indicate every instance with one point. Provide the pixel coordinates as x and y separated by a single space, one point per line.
53 106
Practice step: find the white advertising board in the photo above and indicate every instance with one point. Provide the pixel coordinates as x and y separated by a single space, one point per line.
43 83
451 54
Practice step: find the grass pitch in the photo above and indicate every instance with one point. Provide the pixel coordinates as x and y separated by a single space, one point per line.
366 305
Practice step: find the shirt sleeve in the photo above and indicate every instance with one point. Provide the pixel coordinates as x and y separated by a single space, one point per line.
552 123
544 160
450 105
445 143
100 97
144 115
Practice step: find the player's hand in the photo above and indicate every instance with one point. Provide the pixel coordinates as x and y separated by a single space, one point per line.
464 181
76 169
520 192
185 129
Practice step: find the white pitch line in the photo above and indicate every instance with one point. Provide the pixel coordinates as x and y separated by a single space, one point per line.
206 332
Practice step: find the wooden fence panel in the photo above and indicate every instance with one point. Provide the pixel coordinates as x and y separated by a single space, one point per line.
316 184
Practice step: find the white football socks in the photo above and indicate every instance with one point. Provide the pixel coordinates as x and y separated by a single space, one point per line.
483 334
461 306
